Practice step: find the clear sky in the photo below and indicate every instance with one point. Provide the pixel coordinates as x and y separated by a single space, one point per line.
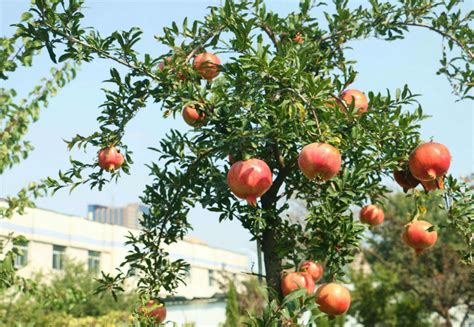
382 65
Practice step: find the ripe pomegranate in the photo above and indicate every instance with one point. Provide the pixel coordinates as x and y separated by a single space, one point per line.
193 117
295 280
298 38
372 215
249 179
360 100
207 65
320 160
417 236
110 158
333 299
154 310
429 161
405 179
435 184
315 269
167 62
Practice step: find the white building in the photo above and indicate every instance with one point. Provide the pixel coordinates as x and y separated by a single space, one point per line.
53 236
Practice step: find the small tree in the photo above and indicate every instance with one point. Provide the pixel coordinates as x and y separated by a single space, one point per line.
279 89
232 315
405 289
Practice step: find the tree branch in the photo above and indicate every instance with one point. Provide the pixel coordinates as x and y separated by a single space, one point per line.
446 35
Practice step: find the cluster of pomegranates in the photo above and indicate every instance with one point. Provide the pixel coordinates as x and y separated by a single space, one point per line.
428 164
153 310
333 298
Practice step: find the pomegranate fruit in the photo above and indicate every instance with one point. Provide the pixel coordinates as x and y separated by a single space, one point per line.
295 280
319 160
249 179
298 38
110 158
333 299
405 179
372 215
207 65
193 117
154 310
167 62
360 100
417 236
429 161
436 184
314 269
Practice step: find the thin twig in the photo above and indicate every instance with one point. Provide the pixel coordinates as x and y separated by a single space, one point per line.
201 44
446 35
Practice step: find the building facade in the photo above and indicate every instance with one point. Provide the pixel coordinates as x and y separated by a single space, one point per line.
127 216
53 237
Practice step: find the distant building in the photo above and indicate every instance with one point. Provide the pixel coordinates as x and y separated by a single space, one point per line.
127 216
100 245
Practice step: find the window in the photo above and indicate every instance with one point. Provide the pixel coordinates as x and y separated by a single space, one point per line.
93 262
211 277
58 257
21 258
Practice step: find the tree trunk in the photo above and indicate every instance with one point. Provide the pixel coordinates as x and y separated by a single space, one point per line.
273 266
447 319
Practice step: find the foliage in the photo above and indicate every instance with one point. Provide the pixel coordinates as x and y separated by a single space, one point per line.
404 289
273 97
64 297
232 307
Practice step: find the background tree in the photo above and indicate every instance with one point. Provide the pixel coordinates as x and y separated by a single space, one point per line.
275 94
63 299
405 289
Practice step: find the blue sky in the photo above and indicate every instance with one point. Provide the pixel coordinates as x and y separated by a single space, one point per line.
381 65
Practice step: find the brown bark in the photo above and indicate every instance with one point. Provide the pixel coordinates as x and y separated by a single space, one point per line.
273 264
273 267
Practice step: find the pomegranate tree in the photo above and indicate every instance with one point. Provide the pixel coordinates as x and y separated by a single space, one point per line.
272 101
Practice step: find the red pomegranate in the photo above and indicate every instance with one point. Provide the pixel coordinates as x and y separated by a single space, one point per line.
110 158
193 117
405 179
249 179
417 236
154 310
320 160
429 161
333 299
372 215
207 65
360 100
436 184
315 269
298 38
295 280
167 63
